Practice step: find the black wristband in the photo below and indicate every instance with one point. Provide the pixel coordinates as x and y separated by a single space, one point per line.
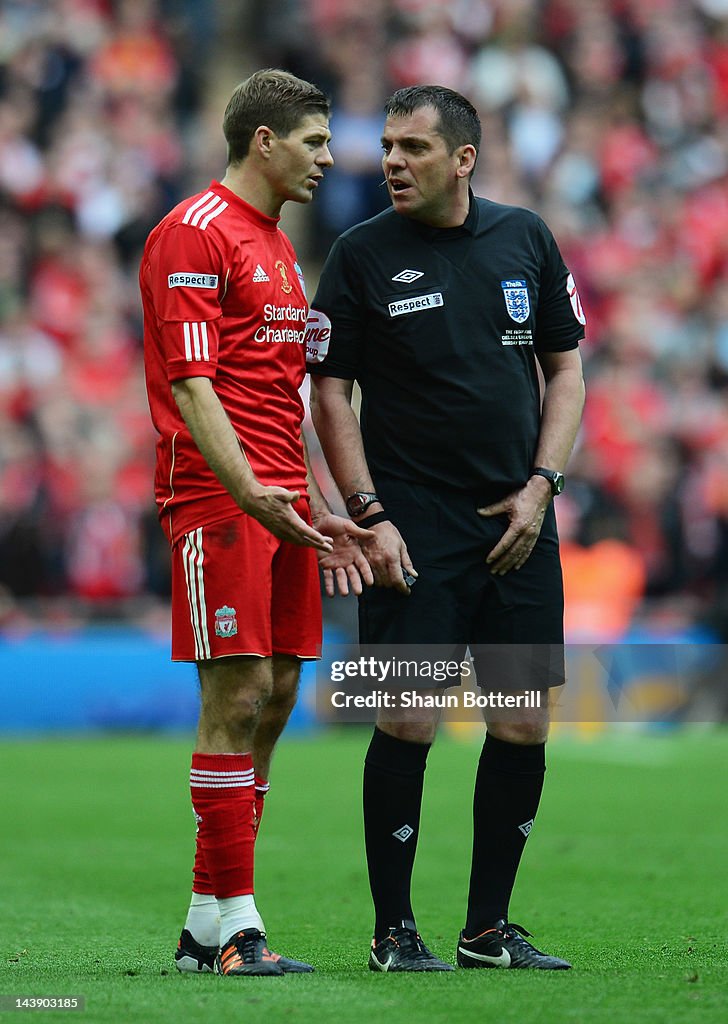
373 519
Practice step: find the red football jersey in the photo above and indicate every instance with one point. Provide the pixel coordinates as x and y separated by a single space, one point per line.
223 298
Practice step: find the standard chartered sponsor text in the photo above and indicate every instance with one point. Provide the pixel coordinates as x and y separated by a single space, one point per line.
281 335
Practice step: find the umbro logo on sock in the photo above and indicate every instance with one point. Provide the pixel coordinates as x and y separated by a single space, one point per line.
526 827
403 833
260 275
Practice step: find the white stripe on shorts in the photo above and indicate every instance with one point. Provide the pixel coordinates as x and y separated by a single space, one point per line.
192 559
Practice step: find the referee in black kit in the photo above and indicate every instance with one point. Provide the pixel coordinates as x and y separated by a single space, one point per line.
441 308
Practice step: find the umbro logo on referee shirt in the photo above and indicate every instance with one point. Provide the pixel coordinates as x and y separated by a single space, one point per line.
259 275
408 276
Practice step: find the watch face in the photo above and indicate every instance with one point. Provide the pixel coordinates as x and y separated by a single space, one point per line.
359 502
557 483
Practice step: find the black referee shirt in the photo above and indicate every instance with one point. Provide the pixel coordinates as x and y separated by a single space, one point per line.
439 327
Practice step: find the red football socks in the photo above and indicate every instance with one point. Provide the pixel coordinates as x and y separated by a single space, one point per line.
223 798
261 788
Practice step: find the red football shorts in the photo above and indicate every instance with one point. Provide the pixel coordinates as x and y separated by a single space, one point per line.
237 589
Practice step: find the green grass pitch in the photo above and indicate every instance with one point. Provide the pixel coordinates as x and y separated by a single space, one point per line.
624 873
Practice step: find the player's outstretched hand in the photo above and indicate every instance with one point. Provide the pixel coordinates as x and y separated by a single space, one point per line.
346 565
273 508
388 556
525 509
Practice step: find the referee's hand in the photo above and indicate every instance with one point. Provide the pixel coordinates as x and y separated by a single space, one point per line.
525 509
346 567
387 555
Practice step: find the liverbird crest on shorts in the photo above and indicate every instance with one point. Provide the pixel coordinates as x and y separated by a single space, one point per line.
226 623
515 292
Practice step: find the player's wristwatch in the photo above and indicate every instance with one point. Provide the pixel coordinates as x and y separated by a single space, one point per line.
358 502
553 476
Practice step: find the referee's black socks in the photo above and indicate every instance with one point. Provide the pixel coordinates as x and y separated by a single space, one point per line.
507 792
394 772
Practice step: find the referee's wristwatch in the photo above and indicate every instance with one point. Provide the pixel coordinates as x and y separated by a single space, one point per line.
553 476
358 502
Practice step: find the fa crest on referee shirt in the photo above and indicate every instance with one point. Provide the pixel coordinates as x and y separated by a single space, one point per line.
517 302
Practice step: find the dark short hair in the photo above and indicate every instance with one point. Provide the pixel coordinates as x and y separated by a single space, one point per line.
459 124
271 97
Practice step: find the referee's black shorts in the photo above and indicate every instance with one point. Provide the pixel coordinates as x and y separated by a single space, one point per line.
513 624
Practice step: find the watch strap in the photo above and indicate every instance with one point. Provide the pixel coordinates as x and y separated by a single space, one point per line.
554 477
373 519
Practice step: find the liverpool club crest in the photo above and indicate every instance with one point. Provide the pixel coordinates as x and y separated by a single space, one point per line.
283 271
515 293
226 622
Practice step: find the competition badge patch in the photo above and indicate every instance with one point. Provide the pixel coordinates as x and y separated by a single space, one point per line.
515 293
299 275
226 622
317 336
575 300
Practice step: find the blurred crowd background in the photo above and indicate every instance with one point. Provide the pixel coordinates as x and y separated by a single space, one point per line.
609 117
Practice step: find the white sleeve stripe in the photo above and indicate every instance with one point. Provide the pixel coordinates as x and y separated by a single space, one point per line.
191 209
196 340
188 346
211 216
195 219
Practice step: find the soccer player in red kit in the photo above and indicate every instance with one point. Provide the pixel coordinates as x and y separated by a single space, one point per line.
224 323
